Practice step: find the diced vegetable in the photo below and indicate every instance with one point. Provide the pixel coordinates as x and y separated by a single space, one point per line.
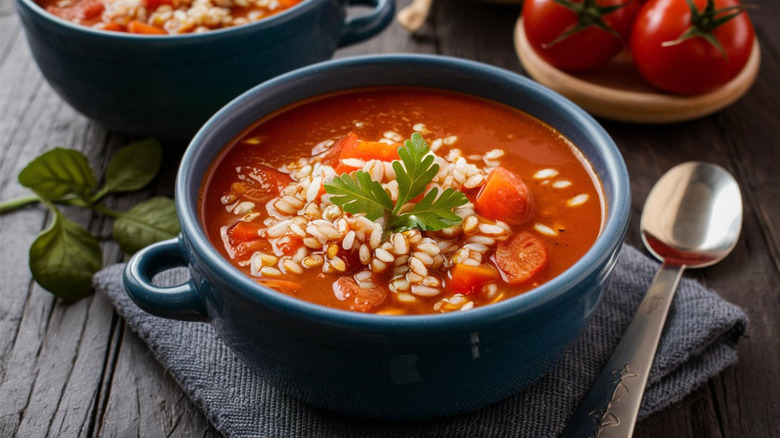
521 257
136 26
466 279
354 297
261 184
280 284
505 197
243 231
79 11
246 249
113 27
350 146
289 244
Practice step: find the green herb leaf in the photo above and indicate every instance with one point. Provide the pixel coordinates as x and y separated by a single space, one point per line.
148 222
132 168
416 172
64 257
358 193
59 173
432 212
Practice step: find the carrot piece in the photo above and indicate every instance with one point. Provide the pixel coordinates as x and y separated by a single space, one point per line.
466 279
288 3
136 26
521 257
280 284
505 197
112 27
354 297
243 231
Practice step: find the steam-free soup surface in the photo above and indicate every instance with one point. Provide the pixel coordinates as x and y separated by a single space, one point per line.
531 205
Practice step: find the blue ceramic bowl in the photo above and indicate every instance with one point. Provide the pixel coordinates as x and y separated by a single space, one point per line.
402 367
167 86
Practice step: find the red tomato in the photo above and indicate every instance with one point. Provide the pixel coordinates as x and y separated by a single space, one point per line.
546 21
260 183
695 65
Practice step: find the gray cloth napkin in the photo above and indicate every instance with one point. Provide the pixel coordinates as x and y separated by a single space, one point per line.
700 340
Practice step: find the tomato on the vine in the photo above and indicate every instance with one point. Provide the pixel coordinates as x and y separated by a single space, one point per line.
679 50
577 35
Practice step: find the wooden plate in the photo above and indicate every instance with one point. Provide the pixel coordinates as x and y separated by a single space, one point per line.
617 92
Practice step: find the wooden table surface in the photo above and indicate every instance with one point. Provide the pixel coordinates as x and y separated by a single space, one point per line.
76 370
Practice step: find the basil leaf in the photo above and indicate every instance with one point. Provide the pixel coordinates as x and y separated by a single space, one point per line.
64 257
132 168
58 173
146 223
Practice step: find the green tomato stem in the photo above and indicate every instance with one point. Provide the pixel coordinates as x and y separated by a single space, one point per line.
13 204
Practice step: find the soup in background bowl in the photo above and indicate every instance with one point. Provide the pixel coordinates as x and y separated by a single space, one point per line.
379 365
167 86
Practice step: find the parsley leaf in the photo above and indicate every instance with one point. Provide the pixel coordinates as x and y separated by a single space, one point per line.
416 172
432 213
358 193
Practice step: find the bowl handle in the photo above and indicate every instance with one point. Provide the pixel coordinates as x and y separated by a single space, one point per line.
176 302
364 27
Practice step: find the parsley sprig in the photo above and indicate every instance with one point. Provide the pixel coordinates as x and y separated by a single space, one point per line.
357 193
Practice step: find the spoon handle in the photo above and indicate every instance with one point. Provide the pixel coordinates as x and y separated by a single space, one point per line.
611 407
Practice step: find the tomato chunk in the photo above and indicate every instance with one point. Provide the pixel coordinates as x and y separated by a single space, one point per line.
136 26
289 244
505 197
354 297
79 11
261 183
243 231
466 279
521 257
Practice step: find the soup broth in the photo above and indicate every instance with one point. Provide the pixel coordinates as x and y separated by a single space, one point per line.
533 206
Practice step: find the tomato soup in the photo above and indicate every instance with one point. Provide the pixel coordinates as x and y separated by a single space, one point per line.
162 17
401 201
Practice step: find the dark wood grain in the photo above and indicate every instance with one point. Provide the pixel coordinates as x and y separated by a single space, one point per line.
76 370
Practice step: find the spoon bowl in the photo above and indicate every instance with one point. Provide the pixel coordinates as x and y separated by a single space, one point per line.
691 219
693 215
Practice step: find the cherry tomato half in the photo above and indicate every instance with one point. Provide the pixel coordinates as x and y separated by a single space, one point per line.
546 21
695 65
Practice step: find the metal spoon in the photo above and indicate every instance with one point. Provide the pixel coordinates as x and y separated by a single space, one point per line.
691 219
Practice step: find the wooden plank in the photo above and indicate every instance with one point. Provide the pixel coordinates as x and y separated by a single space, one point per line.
146 402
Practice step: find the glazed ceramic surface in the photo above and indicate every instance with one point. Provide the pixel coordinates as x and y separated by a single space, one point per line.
370 365
167 86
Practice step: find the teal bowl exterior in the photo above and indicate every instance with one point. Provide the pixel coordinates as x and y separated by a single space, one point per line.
406 367
167 86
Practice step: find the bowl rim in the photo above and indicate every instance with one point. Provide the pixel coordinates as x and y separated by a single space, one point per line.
607 243
282 17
